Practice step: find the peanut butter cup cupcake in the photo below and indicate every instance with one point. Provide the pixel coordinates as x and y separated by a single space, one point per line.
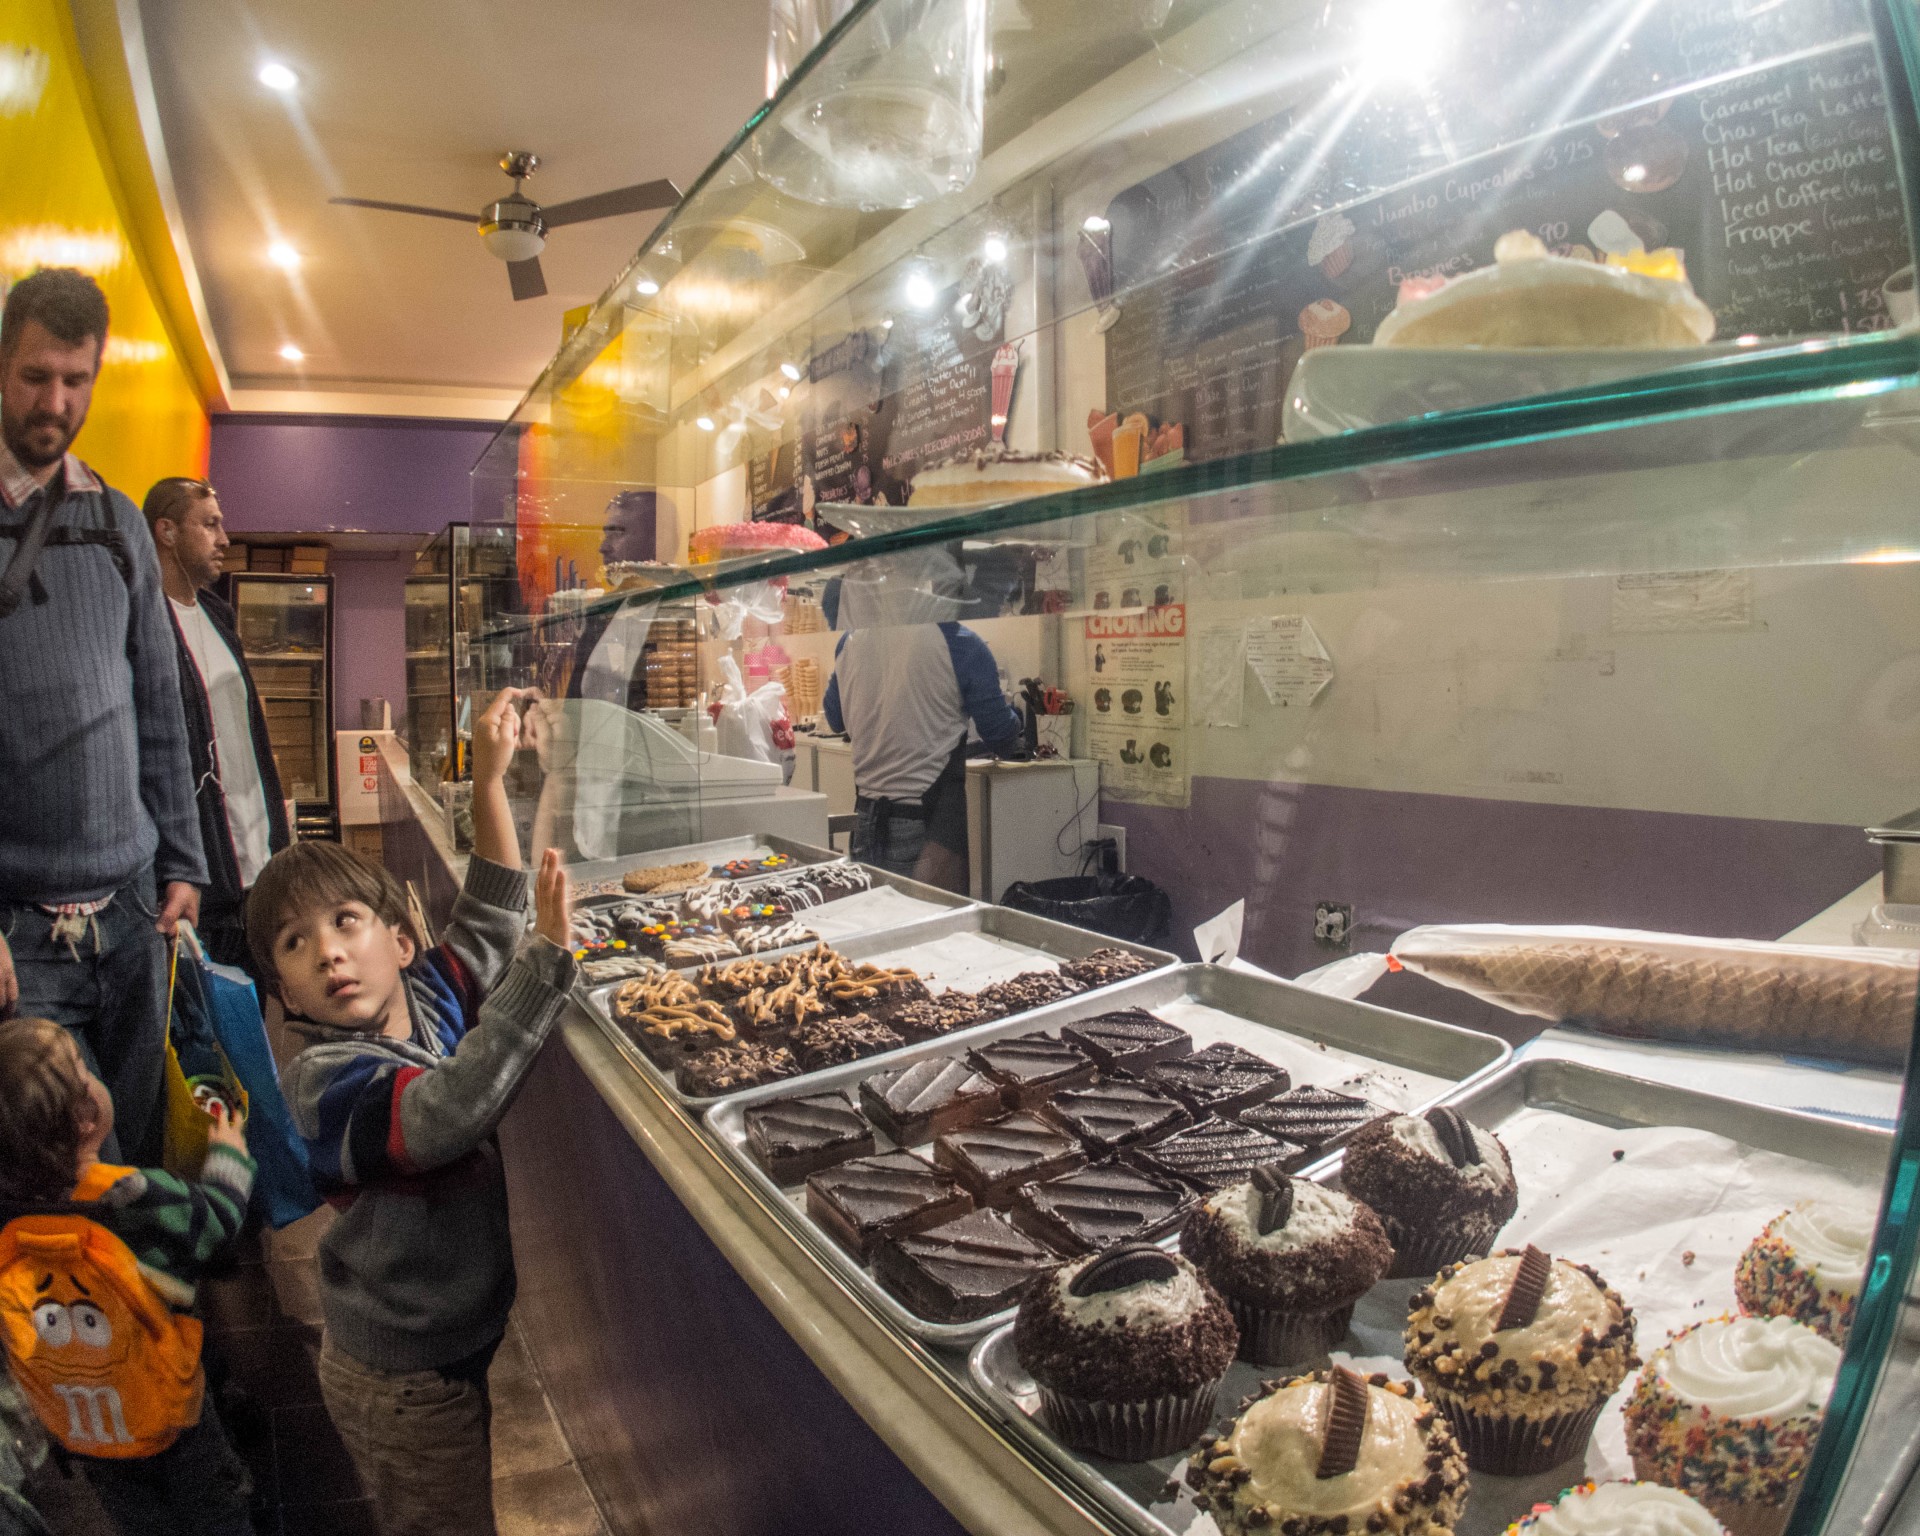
1291 1258
1128 1349
1441 1186
1330 1454
1521 1352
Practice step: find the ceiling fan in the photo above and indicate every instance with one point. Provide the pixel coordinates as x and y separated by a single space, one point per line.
515 228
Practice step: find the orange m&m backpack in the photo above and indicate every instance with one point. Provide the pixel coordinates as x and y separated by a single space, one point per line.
110 1369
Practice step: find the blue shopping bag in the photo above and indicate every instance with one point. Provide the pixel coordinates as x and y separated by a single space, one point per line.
219 1000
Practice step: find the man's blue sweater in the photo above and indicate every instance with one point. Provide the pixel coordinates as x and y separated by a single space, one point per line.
94 778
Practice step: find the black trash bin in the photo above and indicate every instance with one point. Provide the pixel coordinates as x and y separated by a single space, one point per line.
1120 906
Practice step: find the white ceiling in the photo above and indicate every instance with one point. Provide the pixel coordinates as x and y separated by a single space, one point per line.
414 101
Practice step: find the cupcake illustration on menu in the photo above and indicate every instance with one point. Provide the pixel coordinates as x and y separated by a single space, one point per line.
1330 247
1323 322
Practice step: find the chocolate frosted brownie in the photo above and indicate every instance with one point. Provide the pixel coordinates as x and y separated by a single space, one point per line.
1213 1155
1316 1118
887 1195
1128 1040
1104 966
915 1103
1030 1067
832 1042
961 1270
1115 1114
1219 1080
734 1067
992 1159
1099 1206
792 1138
1030 989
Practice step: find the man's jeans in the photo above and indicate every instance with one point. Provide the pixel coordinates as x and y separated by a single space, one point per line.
109 989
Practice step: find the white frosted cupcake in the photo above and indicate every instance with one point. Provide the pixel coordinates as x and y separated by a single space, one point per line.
1728 1411
1619 1509
1807 1264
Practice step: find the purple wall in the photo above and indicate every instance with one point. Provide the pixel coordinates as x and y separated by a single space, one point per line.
1402 859
335 474
321 475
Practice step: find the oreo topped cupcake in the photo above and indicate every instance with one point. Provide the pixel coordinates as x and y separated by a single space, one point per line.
1618 1509
1441 1186
1128 1348
1807 1264
1521 1351
1291 1258
1728 1411
1332 1453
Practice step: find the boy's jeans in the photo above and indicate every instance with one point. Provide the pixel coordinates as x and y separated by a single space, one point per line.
195 1487
418 1439
108 988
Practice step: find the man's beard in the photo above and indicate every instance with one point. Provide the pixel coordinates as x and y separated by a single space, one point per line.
19 442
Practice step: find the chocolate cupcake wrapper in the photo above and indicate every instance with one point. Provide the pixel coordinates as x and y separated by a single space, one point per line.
1142 1431
1419 1252
1511 1447
1272 1337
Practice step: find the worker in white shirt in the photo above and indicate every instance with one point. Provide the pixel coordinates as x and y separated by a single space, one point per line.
243 819
607 659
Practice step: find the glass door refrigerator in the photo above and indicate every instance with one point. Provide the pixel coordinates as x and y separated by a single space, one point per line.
286 637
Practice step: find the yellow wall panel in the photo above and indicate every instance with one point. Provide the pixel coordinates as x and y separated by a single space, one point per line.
59 206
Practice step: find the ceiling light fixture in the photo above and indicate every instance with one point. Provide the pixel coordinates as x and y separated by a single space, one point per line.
293 354
792 371
782 392
920 291
995 250
275 76
646 287
704 423
283 255
1096 224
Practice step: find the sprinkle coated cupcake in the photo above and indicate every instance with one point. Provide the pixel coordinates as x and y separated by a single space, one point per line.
1521 1352
1807 1264
1127 1348
1291 1258
1332 1453
1619 1509
1441 1186
1728 1411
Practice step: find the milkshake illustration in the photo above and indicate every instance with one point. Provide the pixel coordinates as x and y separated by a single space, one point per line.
1006 363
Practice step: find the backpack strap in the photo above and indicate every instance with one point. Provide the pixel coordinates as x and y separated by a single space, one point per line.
32 535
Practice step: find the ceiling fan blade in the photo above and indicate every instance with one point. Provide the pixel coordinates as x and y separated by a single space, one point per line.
604 205
431 213
529 282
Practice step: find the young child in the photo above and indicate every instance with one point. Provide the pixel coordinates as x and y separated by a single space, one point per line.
54 1116
416 1056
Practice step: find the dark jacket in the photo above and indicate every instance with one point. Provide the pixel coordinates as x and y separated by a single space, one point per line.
590 636
223 868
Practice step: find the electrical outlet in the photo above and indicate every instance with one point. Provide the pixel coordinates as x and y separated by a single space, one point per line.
1332 924
1119 836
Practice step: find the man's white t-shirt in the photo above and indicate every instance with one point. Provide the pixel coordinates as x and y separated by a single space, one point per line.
233 757
616 656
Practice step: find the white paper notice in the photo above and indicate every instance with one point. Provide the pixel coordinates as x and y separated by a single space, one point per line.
1670 601
1288 658
1219 676
1218 938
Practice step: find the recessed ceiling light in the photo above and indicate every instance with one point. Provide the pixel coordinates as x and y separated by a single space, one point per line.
920 291
646 286
791 370
283 255
275 76
995 249
704 423
293 354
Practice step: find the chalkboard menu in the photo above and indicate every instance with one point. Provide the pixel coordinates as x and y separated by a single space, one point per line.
1777 183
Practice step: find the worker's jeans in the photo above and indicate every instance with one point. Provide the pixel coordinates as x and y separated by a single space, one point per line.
887 837
108 987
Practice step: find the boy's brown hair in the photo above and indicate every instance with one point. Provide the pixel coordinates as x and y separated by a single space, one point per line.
41 1092
317 874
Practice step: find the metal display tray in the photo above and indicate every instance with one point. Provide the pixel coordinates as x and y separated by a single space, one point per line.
1273 1018
1134 1494
1027 938
715 851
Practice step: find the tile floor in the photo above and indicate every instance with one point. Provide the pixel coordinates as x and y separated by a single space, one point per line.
265 1321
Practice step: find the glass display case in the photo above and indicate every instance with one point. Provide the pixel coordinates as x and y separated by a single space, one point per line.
460 576
285 625
1447 464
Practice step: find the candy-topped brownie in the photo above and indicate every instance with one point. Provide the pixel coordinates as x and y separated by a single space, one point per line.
992 1159
1219 1080
1031 1067
1128 1040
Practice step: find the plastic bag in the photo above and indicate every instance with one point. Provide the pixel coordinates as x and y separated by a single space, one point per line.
746 723
1120 906
750 600
1853 1004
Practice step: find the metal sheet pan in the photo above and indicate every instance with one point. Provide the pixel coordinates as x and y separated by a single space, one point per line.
1321 1040
1134 1494
718 850
1025 941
